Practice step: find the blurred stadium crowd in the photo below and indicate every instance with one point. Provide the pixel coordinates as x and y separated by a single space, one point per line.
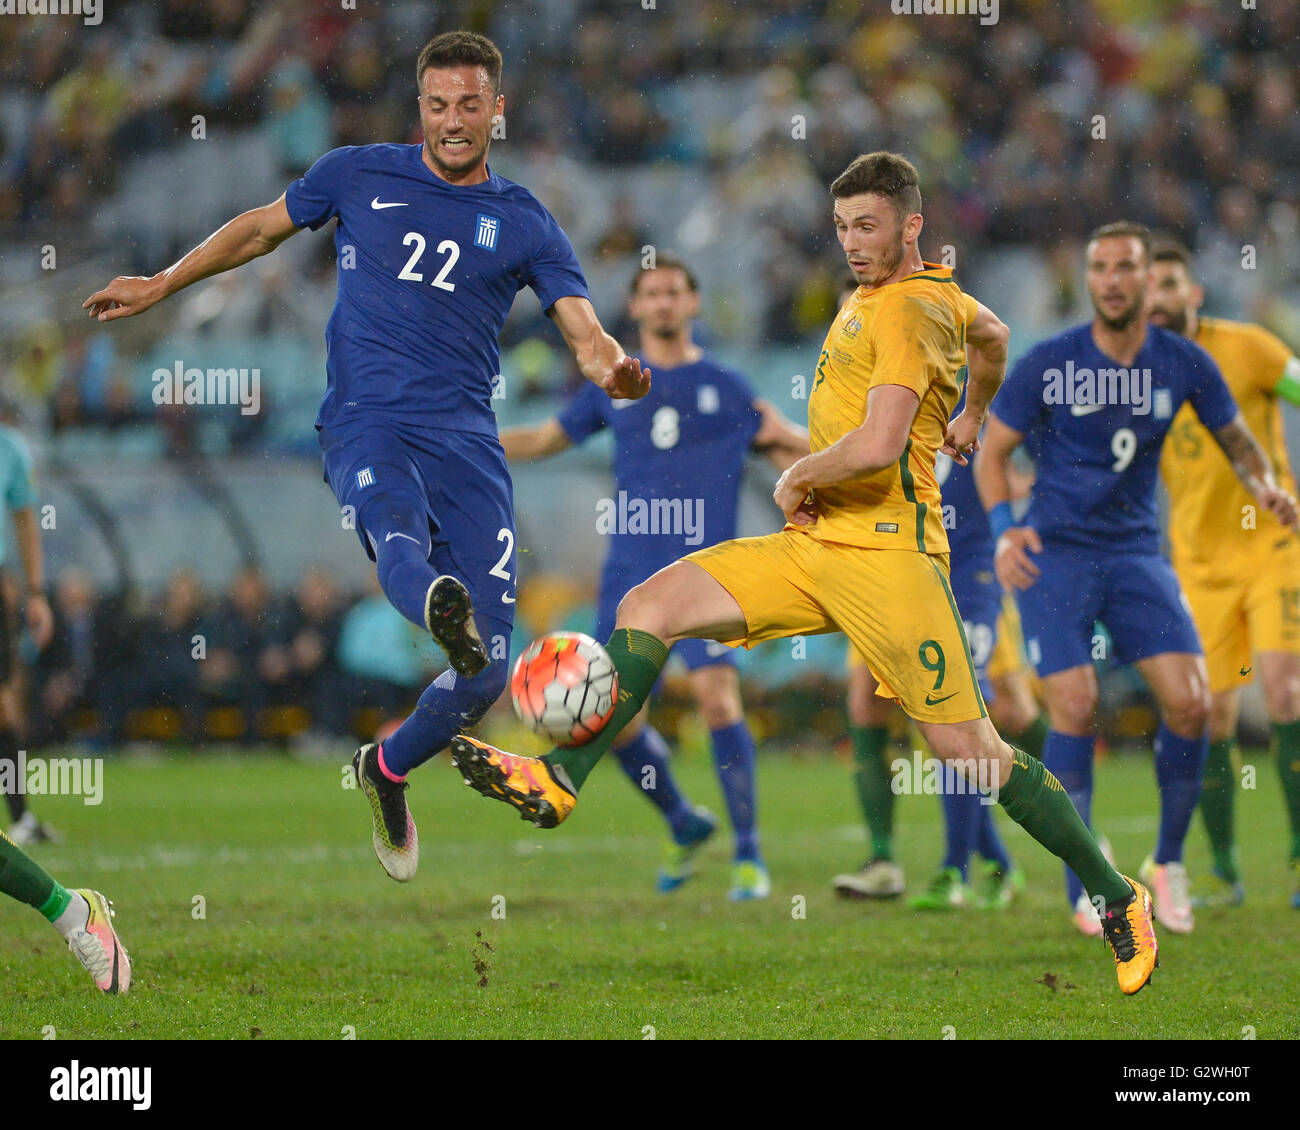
712 128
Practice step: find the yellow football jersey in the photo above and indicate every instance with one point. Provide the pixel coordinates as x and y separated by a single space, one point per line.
910 333
1209 523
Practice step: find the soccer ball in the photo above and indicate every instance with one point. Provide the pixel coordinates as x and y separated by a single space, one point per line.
565 688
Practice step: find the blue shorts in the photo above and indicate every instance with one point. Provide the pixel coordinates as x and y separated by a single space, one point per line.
979 600
460 481
615 582
1135 595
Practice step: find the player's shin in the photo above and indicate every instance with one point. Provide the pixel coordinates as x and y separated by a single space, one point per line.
638 657
1032 738
1287 735
21 878
873 782
1038 802
450 704
1217 793
1179 762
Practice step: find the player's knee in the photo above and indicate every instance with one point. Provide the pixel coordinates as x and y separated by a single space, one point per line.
1012 713
720 705
1073 711
1187 708
1223 718
1282 695
640 610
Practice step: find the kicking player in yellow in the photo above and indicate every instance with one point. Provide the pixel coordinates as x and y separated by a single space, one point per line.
864 549
1238 565
1003 674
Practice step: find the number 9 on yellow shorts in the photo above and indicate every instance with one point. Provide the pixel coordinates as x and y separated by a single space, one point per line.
895 606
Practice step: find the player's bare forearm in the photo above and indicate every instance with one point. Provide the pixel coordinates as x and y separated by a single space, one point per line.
784 456
28 535
523 445
1248 460
244 238
1252 467
986 354
782 442
599 356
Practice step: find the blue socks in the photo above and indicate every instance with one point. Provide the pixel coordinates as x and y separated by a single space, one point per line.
450 704
733 754
988 844
645 761
958 820
1179 765
968 826
1069 759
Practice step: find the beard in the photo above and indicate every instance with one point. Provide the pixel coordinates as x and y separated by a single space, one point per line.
1124 318
886 263
665 330
435 155
1175 320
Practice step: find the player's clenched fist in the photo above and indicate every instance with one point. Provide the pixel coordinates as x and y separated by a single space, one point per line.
124 296
1281 504
627 380
1011 560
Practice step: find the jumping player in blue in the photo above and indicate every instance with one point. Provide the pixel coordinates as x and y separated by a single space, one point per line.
680 451
1093 406
433 247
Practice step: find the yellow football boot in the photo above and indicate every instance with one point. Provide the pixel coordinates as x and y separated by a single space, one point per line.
528 784
1131 933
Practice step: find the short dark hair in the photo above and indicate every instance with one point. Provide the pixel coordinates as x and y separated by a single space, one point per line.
1123 228
460 49
663 261
882 174
1166 249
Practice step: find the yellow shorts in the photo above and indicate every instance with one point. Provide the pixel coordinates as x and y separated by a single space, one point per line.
893 604
1009 651
1256 609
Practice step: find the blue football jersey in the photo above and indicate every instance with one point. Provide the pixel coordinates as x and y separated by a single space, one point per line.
1095 431
427 273
970 537
684 442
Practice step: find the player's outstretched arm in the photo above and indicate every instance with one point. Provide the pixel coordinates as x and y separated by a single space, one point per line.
1011 560
535 441
783 442
245 237
1254 470
600 358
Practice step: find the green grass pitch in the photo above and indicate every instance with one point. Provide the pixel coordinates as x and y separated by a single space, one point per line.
302 935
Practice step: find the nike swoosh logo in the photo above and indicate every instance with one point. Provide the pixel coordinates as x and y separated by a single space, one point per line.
1085 409
935 701
506 598
394 534
395 204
